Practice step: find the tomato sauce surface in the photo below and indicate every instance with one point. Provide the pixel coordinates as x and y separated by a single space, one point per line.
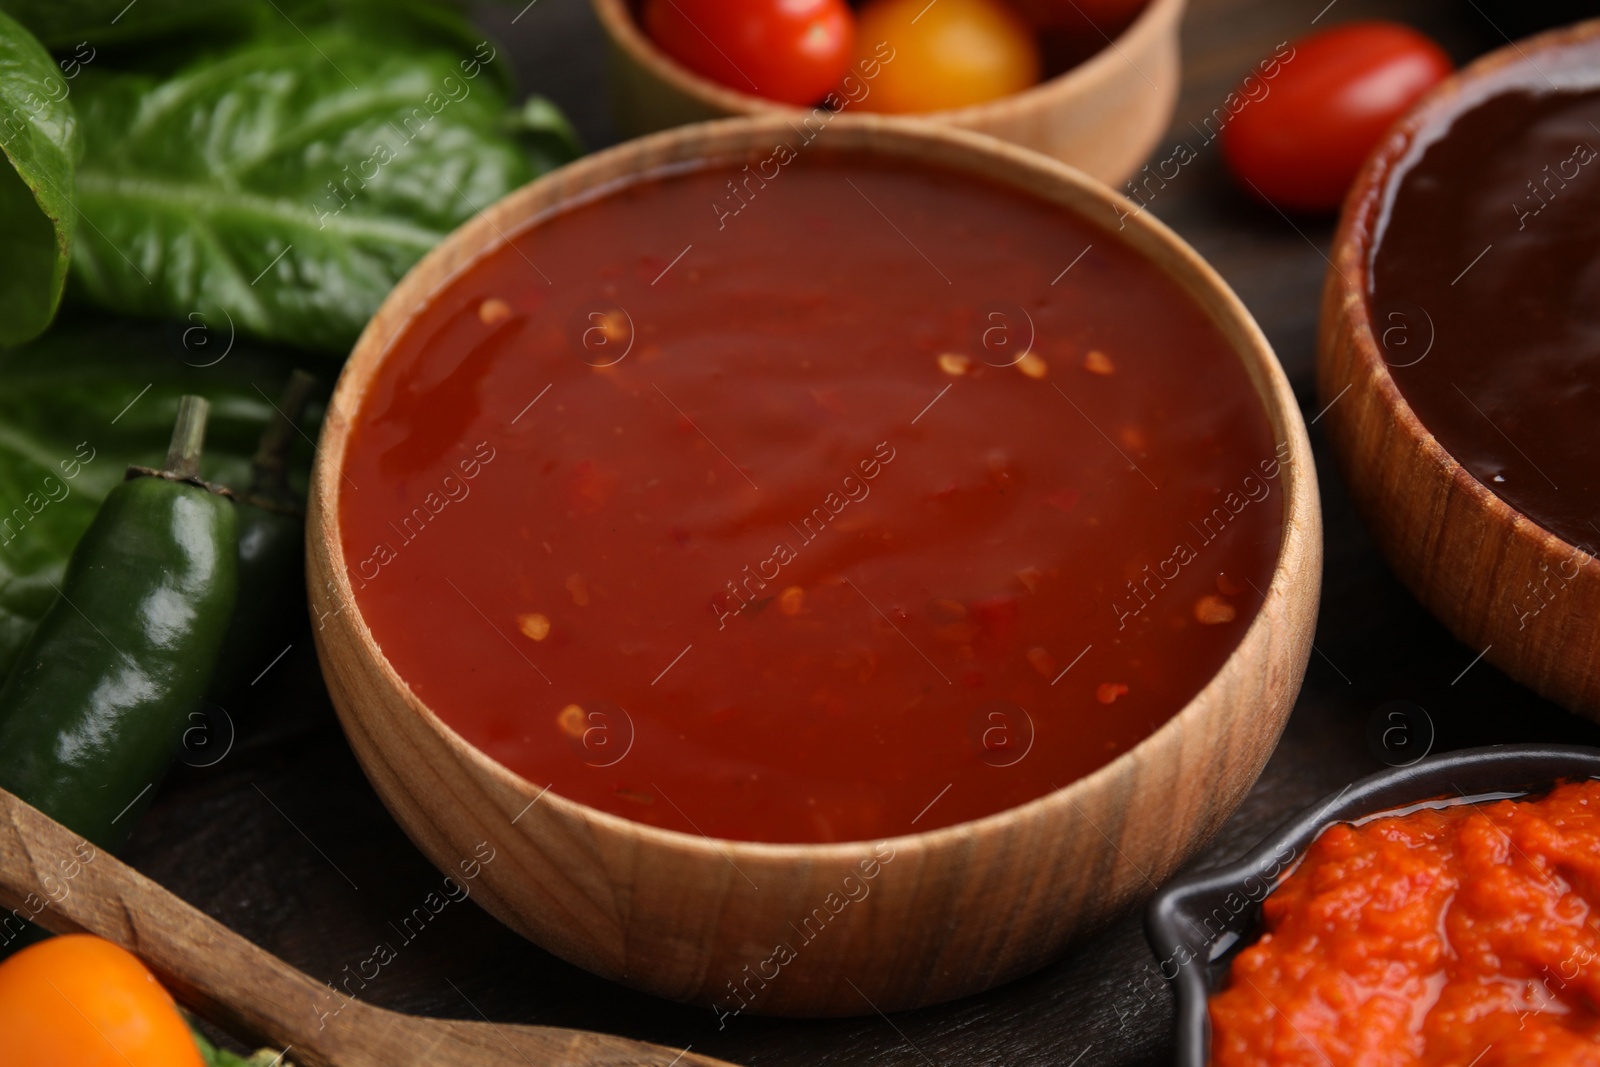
1450 936
859 501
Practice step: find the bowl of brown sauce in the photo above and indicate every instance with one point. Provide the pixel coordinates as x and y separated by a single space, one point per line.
1459 360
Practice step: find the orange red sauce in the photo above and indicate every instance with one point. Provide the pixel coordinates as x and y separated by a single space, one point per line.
1450 936
890 500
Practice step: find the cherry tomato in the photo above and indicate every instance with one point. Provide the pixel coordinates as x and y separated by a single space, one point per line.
952 53
791 51
1301 135
82 1001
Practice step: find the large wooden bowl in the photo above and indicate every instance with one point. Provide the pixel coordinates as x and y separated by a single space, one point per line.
1470 557
947 912
1103 116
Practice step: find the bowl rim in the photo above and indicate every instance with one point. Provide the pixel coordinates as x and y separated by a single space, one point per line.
1515 769
1349 269
616 17
1300 538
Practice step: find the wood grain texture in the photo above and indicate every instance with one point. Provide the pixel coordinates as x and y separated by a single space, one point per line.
953 911
1103 116
1470 557
211 836
67 886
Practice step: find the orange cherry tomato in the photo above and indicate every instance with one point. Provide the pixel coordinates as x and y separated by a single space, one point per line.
952 53
1301 143
78 1001
791 51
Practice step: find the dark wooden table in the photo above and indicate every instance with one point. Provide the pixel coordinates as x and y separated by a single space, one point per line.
283 839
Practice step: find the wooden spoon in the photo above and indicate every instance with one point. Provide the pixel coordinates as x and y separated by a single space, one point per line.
56 879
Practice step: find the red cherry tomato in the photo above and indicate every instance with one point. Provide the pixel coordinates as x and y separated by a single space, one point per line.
1302 134
791 51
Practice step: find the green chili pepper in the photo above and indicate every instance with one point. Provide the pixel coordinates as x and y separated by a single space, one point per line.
92 714
272 552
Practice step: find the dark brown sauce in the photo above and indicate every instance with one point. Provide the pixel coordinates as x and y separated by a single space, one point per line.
1486 295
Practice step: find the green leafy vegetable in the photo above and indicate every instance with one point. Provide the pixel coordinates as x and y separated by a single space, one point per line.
287 183
60 24
545 133
156 36
39 137
219 1057
81 404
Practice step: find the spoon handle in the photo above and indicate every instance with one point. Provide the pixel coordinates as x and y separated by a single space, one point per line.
54 878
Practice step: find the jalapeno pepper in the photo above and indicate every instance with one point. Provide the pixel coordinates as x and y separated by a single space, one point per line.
272 553
93 711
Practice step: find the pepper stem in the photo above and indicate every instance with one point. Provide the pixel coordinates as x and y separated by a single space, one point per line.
188 438
270 465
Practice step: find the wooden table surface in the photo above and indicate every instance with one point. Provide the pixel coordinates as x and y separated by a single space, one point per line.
283 839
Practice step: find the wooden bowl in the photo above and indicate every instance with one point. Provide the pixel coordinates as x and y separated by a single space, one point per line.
1470 557
950 911
1103 116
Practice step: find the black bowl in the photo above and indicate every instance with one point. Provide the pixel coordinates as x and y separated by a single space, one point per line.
1198 922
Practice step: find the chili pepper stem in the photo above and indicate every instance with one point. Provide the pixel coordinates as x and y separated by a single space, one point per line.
270 465
188 439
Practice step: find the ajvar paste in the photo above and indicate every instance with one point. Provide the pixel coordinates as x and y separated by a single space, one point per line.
1458 935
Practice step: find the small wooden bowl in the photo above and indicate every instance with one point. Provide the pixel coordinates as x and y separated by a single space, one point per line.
1103 116
1463 551
948 912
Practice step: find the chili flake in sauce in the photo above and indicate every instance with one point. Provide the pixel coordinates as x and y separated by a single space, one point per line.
861 518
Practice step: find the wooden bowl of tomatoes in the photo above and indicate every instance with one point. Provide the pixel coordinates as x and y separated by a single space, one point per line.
1091 82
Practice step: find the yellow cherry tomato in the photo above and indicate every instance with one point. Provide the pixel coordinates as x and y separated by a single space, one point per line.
946 54
78 1001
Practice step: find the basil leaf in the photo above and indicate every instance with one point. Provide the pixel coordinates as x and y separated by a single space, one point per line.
62 24
81 404
545 133
39 138
156 36
288 184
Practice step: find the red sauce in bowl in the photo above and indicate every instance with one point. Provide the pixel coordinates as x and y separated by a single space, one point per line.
728 505
1440 938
